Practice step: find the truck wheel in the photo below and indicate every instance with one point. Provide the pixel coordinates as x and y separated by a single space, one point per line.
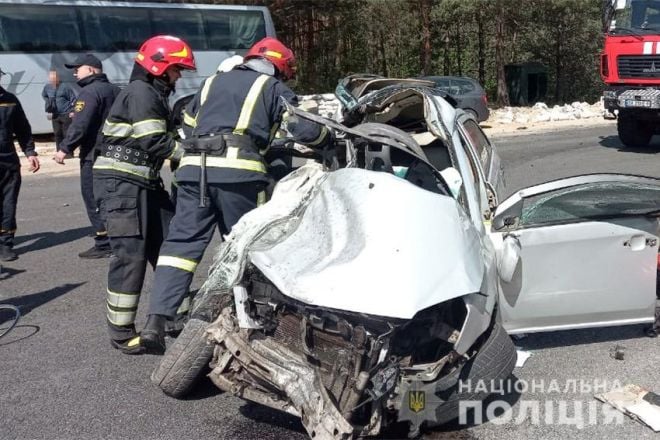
494 361
633 133
184 361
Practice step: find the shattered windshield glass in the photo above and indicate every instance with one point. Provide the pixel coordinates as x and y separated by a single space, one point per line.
592 201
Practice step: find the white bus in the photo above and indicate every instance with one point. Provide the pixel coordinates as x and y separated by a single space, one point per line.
39 36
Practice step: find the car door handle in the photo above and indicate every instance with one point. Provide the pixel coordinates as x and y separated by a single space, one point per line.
640 242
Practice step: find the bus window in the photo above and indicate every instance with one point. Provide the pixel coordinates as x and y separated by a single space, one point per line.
115 29
189 26
234 30
29 28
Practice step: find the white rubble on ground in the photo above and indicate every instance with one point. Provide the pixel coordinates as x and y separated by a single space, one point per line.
540 112
327 105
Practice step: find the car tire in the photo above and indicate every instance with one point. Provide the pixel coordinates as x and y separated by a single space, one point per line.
184 361
494 361
633 133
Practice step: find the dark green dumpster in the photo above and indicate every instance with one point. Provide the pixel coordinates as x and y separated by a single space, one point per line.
527 82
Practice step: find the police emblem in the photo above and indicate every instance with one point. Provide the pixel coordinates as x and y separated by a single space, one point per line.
79 106
416 401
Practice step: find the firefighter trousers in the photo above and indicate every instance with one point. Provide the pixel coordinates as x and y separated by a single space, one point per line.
191 231
93 214
10 185
137 221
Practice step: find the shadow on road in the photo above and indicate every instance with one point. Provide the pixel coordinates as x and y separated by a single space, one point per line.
581 337
27 303
8 272
203 389
45 240
614 142
20 333
265 415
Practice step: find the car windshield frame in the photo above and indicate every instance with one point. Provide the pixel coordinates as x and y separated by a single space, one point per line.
638 18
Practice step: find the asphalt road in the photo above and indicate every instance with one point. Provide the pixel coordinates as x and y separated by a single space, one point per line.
60 379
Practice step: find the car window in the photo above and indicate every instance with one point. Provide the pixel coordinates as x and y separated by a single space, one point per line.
590 202
464 87
480 142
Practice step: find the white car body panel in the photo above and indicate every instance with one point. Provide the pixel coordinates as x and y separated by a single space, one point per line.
581 273
374 243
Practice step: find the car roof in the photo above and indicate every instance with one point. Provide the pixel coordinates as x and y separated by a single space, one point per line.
437 77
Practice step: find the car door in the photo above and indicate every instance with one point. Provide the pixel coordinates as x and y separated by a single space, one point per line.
578 252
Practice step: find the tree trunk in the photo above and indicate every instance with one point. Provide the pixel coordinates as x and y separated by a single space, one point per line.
426 53
502 92
481 48
459 50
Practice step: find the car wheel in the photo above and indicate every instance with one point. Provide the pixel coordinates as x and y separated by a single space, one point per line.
184 360
187 358
494 361
633 133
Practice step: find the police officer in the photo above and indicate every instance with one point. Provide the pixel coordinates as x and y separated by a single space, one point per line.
13 122
90 111
230 123
127 185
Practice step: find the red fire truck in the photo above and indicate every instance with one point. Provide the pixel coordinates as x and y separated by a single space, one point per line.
630 67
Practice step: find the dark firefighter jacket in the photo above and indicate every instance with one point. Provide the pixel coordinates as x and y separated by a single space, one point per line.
90 111
13 122
244 103
136 136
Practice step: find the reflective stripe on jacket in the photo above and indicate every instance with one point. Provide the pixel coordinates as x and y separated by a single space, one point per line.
138 121
242 102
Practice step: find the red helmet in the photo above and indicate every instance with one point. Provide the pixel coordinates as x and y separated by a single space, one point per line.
277 53
160 52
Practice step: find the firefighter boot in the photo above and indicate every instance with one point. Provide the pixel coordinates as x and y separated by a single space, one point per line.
7 253
152 336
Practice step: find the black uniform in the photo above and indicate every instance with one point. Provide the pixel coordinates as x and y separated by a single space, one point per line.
90 111
128 188
242 109
13 122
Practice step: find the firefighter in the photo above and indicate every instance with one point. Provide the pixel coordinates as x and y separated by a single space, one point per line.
90 111
127 184
229 124
13 122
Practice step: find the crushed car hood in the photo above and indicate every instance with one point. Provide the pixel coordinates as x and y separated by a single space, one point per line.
373 243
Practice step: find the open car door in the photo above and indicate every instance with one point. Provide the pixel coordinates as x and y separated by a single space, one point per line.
578 252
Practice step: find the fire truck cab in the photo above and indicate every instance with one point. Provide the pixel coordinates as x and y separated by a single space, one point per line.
630 68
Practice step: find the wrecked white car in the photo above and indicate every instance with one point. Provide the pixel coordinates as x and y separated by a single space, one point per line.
367 288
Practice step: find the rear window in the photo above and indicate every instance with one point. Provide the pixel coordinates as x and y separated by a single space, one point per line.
463 87
480 142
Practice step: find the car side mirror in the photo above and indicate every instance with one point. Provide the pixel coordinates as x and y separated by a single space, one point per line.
509 257
453 179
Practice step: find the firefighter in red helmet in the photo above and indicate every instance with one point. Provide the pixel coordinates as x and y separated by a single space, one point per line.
127 185
229 125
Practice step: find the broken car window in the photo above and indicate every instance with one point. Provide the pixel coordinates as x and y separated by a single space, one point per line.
591 202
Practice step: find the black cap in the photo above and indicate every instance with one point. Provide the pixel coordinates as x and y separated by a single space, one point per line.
85 60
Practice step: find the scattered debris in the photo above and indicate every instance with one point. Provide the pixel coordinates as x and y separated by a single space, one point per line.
618 352
522 357
635 402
